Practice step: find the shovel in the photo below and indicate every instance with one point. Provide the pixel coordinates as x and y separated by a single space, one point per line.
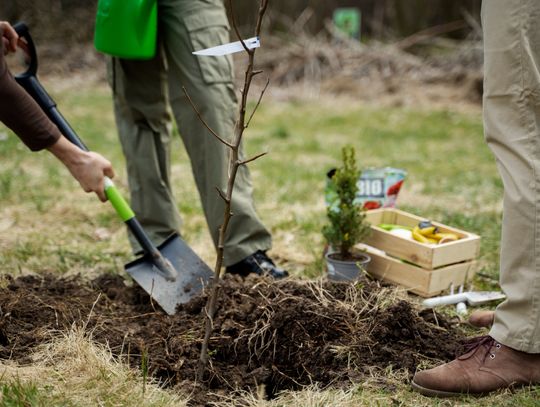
471 297
171 273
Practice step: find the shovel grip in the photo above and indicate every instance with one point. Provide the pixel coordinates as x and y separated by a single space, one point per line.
118 201
22 31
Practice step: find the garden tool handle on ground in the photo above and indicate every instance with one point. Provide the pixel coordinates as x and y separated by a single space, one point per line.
444 300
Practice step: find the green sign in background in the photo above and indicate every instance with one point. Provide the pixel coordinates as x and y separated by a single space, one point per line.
347 20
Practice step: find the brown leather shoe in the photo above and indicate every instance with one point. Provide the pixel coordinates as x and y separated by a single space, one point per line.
486 366
482 319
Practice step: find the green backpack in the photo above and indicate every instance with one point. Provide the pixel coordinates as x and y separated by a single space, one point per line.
126 28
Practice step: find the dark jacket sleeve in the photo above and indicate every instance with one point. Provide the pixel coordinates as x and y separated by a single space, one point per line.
21 113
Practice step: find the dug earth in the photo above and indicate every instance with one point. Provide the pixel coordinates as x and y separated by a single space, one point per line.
276 334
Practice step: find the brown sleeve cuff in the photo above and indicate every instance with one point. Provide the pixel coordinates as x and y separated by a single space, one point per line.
22 114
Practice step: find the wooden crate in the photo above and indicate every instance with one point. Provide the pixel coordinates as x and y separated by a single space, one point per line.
426 256
424 282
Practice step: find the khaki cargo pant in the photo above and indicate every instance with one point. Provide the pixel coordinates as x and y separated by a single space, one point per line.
512 129
143 90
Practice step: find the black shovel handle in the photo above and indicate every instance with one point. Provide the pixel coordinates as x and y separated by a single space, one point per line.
28 80
22 31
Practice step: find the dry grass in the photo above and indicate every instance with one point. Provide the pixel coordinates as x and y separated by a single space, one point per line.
73 368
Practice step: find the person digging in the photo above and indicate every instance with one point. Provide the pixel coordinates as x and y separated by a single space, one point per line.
509 356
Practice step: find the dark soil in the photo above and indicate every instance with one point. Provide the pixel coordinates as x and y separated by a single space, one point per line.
282 334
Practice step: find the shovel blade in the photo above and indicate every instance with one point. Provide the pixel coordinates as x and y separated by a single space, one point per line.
193 275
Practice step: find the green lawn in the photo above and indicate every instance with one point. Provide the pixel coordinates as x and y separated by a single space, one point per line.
48 225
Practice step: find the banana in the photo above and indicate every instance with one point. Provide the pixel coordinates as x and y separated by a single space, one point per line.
420 237
424 232
446 240
446 237
443 237
427 231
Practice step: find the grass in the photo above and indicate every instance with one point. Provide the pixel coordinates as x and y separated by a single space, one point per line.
47 224
74 371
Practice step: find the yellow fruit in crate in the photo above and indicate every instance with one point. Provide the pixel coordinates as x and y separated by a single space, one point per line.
446 237
419 237
427 231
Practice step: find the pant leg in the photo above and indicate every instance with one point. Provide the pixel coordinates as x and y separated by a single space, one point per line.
187 25
512 130
142 118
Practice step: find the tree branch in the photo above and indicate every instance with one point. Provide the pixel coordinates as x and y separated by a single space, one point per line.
235 26
252 158
258 102
262 10
222 194
203 121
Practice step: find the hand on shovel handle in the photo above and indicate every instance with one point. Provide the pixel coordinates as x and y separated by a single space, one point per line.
87 167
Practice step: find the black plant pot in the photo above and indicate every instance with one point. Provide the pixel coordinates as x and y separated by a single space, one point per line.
346 270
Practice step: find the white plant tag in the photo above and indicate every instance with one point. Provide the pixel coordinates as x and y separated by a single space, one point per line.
229 48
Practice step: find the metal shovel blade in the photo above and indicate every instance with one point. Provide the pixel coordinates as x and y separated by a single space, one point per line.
193 274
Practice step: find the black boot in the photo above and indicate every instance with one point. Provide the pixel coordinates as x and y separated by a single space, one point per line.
258 263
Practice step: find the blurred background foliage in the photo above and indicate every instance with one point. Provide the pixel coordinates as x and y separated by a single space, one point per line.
73 20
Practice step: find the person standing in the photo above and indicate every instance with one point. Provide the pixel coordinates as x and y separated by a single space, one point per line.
143 91
510 354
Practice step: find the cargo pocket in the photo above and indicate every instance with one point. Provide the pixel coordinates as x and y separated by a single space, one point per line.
206 29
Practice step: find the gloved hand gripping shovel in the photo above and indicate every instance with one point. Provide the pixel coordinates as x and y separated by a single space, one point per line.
171 273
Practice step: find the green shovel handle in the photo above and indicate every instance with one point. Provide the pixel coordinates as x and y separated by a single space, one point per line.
118 201
128 216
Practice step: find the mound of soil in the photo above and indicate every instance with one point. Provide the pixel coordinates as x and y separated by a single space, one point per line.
279 334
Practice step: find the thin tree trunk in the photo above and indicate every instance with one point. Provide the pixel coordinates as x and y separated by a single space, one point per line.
234 164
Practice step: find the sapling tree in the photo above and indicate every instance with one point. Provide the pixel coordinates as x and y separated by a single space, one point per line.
346 218
235 162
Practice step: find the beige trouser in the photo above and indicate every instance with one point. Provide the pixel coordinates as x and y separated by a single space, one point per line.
143 90
512 130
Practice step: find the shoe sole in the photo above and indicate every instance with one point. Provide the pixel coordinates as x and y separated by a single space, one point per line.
434 393
439 393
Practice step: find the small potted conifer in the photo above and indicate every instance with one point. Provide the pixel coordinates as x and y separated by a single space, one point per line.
346 222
